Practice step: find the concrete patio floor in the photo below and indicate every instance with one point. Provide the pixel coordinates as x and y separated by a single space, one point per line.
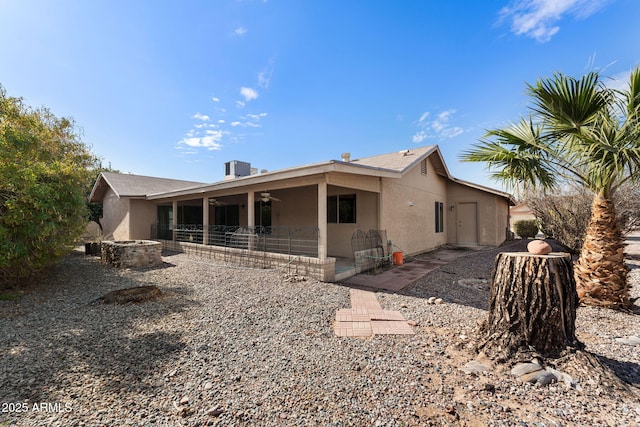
400 276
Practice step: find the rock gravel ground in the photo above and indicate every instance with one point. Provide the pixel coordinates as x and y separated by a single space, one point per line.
232 347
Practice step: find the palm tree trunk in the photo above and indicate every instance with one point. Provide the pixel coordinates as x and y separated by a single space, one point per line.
600 273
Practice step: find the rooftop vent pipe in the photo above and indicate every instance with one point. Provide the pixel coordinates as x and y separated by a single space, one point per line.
346 157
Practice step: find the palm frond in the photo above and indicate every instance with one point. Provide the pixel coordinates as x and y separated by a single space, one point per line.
516 155
567 104
633 95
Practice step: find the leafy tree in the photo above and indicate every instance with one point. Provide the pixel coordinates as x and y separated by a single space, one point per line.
44 168
581 132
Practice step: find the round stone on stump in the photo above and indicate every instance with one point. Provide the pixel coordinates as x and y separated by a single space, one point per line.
539 247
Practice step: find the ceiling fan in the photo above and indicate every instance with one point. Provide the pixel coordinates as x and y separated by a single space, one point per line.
214 202
266 197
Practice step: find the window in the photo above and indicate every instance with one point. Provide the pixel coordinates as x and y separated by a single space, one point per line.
227 215
341 209
439 217
262 213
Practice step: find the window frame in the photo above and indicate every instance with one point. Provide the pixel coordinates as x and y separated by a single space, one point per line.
342 209
439 217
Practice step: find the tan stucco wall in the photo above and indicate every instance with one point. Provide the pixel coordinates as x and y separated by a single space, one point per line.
143 215
492 214
298 207
115 222
412 228
339 235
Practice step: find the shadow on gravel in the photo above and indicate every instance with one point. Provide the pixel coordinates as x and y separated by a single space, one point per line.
628 372
55 341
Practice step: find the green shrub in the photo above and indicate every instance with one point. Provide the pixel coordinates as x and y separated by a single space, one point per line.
44 171
527 229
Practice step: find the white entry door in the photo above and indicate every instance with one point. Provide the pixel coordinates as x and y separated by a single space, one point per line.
467 223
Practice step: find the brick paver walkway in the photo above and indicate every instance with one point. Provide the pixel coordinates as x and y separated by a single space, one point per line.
366 317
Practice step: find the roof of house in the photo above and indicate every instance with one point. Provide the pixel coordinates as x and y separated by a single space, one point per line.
136 186
390 165
398 161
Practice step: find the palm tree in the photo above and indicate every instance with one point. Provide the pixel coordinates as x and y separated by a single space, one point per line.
579 131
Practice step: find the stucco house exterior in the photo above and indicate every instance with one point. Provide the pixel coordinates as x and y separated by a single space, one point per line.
409 194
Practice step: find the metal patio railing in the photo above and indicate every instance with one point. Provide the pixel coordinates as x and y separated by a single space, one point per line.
289 240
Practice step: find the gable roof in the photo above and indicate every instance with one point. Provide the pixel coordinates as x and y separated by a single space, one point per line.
399 162
390 165
135 186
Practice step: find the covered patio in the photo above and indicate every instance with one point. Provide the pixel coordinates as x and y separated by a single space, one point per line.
303 226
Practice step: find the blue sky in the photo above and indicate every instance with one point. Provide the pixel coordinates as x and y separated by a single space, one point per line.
177 88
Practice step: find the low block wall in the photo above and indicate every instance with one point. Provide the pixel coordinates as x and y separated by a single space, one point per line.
131 253
324 270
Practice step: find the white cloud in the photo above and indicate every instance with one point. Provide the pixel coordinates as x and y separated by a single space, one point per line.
248 93
538 18
215 99
451 132
240 31
202 117
438 128
419 136
221 121
246 124
264 76
257 116
444 116
212 140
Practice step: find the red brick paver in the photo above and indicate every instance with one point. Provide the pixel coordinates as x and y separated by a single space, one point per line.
366 317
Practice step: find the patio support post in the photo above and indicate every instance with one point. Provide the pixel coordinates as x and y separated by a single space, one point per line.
251 203
322 220
205 220
174 208
251 222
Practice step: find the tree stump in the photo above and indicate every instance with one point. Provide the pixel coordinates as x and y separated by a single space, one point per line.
532 309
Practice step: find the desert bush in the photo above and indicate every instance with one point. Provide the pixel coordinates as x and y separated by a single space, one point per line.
527 229
44 170
565 215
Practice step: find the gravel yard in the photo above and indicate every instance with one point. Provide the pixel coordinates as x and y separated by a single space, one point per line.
233 346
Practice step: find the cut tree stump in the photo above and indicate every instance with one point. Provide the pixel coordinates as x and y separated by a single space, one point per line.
532 314
532 308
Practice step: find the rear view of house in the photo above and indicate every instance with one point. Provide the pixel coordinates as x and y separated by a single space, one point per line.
310 211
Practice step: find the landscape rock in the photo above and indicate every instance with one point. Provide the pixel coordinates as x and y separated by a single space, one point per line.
630 340
525 368
539 247
475 368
